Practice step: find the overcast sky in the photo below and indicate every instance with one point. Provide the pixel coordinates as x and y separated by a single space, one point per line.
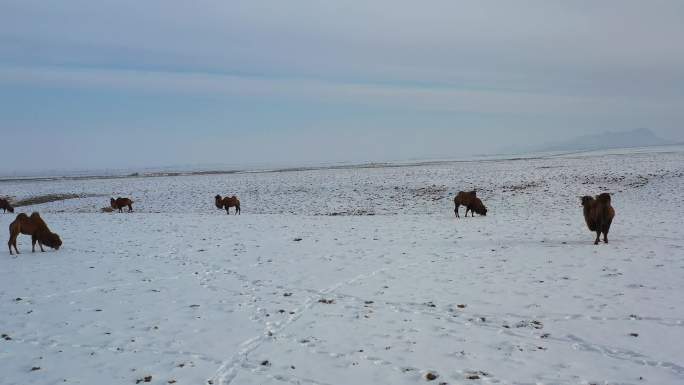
112 84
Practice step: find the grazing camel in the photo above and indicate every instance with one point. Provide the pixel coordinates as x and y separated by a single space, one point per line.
227 202
6 206
36 228
472 203
119 203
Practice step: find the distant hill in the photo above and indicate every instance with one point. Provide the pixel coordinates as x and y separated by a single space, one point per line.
640 137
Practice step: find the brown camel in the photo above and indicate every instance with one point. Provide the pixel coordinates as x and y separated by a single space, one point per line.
36 228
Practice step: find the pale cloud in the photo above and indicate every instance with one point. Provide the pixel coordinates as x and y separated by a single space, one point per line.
397 96
500 71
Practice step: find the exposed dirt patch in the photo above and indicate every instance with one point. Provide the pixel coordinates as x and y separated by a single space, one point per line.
431 376
39 199
520 187
433 192
352 212
631 180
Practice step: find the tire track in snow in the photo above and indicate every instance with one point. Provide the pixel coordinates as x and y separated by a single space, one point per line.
228 370
626 355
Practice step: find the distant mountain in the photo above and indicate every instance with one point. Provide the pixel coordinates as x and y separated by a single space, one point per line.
640 137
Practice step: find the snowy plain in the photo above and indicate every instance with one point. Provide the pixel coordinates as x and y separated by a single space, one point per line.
355 276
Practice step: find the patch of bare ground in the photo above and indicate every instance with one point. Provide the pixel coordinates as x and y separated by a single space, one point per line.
433 192
630 180
520 187
351 212
549 167
47 198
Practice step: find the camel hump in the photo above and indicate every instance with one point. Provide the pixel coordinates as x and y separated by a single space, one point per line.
604 197
35 218
466 195
22 216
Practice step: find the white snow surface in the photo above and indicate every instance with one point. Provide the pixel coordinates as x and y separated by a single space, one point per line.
287 294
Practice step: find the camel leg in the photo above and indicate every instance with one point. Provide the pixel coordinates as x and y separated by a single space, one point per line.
598 236
14 243
13 240
34 240
456 211
33 244
227 210
130 208
605 235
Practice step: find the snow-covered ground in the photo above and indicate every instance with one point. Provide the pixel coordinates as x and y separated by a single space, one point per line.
290 293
